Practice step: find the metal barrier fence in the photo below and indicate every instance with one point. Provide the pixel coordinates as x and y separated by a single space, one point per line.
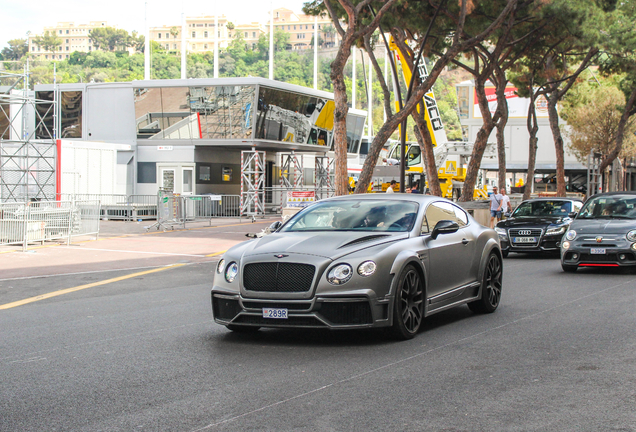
37 222
121 207
276 196
176 210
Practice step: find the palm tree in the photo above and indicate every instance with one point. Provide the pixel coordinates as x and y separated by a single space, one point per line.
174 31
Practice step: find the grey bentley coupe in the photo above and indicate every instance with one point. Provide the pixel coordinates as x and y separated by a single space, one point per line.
360 261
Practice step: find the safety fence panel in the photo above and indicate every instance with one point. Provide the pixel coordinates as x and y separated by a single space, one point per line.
209 207
121 206
37 222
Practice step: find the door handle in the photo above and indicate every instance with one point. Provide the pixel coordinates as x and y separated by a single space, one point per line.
465 241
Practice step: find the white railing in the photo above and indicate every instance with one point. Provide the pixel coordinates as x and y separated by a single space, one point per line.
37 222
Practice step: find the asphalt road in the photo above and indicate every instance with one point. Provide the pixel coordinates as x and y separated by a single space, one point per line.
144 354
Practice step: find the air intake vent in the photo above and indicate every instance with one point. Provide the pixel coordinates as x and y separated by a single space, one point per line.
364 239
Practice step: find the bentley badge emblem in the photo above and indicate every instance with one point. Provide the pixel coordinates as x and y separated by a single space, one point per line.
281 256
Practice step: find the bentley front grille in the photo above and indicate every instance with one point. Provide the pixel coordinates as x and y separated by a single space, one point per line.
278 277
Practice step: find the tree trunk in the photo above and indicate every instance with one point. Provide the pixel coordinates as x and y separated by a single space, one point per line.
502 107
480 143
620 133
426 145
533 128
558 141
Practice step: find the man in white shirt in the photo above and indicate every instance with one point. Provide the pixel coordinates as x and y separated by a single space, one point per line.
391 186
505 202
495 206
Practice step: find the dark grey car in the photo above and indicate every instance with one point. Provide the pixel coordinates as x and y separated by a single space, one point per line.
361 261
603 233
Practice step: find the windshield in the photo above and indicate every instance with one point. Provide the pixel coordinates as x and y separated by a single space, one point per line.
609 207
355 215
543 208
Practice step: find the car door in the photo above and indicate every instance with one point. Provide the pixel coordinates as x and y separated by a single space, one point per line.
468 257
446 253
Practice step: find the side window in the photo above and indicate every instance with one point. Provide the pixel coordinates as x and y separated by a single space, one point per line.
438 211
576 206
460 214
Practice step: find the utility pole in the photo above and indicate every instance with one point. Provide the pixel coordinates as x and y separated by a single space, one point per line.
147 47
216 40
271 41
316 52
184 46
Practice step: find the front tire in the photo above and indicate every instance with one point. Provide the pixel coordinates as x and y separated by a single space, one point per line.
408 305
569 268
490 287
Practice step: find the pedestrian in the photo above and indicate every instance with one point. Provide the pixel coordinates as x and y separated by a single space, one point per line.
505 201
496 200
416 188
391 186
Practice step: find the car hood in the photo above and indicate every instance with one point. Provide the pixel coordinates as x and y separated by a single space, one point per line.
529 222
325 244
603 226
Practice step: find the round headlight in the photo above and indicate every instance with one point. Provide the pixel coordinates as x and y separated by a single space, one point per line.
565 245
231 271
340 274
367 268
220 266
634 246
631 236
570 235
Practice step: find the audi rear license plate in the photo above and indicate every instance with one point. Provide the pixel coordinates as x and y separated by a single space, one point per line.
524 239
275 313
597 251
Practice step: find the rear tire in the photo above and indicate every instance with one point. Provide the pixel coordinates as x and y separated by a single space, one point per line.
490 287
569 268
408 305
242 329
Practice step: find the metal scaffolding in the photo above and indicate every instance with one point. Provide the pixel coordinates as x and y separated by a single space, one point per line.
28 152
322 177
253 183
593 173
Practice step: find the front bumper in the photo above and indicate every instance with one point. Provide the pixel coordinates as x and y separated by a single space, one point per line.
618 253
346 312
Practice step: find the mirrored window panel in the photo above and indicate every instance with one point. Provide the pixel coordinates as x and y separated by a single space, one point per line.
189 113
44 115
71 114
294 117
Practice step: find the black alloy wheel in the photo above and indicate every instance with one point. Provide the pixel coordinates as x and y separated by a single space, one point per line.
408 307
490 287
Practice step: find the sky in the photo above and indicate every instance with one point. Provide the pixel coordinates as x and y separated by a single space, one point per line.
20 17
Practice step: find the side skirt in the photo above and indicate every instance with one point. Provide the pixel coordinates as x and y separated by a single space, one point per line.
452 298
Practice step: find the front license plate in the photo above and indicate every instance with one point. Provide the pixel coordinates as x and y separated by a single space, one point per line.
524 239
275 313
597 251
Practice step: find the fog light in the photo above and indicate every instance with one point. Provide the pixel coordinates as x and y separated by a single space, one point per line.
575 256
633 246
621 256
566 245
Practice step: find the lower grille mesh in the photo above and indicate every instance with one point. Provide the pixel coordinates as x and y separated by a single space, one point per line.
225 309
347 312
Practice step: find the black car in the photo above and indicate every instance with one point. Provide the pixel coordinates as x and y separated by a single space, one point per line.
603 233
537 225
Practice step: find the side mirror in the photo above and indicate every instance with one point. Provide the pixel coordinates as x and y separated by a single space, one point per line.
572 215
274 227
444 227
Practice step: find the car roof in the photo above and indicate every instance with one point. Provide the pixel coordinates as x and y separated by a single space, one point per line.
613 193
388 197
552 199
